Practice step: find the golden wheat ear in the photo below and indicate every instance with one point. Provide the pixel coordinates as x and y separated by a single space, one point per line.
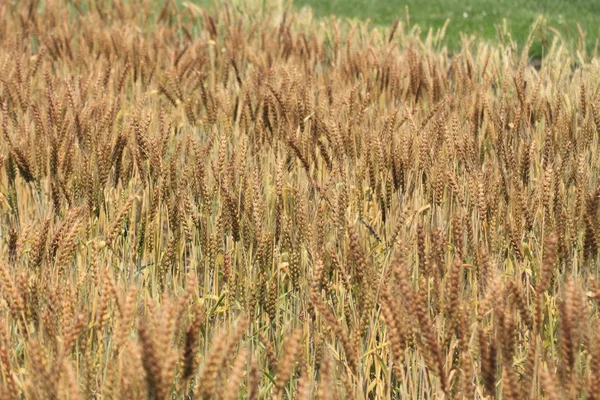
252 202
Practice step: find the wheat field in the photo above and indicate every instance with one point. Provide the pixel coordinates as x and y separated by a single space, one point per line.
246 202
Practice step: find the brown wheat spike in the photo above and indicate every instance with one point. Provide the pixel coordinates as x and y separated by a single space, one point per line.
39 364
191 343
269 350
430 339
150 362
339 331
207 383
7 373
395 333
593 389
253 381
10 293
551 389
361 269
324 389
488 362
39 245
286 363
236 375
546 272
568 339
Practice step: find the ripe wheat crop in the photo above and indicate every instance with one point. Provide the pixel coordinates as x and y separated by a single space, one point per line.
239 203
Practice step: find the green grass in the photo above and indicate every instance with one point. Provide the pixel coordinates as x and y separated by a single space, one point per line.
479 17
